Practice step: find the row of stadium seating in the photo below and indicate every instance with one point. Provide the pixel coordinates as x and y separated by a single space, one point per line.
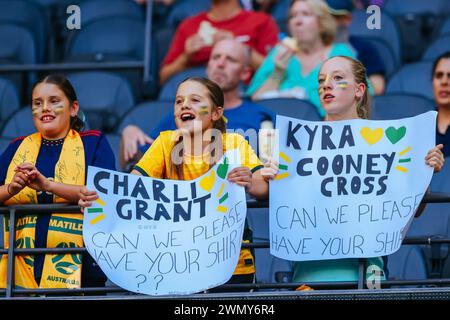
113 30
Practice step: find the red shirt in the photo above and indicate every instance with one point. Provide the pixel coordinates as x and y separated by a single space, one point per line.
257 29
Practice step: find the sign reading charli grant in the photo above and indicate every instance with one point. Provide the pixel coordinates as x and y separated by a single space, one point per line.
163 237
354 186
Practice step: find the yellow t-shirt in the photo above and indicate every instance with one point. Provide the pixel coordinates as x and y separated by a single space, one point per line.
156 163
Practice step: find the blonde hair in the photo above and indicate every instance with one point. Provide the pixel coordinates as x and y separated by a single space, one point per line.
327 23
359 73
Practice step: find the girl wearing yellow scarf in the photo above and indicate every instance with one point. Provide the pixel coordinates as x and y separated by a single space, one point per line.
49 166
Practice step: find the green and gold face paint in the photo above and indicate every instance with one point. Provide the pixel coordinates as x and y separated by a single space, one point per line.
342 84
58 109
204 110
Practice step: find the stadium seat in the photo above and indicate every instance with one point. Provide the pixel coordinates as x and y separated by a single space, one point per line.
104 97
269 269
390 61
291 107
19 124
389 32
9 100
397 106
146 115
438 47
18 47
280 13
29 16
396 7
184 9
445 29
94 10
108 40
434 222
116 38
3 144
408 263
163 37
114 141
417 21
169 89
414 78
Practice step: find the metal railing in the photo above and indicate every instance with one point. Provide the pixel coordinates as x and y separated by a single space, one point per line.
14 211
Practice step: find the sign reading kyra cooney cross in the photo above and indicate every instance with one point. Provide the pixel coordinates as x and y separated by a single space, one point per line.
354 186
162 237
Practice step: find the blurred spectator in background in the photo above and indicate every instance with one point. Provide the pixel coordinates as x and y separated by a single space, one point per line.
365 51
291 69
441 89
195 37
228 65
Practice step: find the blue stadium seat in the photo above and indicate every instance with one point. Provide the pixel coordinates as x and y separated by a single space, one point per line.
396 7
269 269
435 223
389 59
114 141
20 124
94 10
184 9
397 106
291 107
110 39
29 16
438 47
414 78
389 32
18 47
163 37
280 13
104 97
408 263
116 38
445 29
3 144
169 89
9 100
146 115
417 21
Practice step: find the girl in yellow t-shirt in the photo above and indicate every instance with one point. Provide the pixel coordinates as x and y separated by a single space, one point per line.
198 143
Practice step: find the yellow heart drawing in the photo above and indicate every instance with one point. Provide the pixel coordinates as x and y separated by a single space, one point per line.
371 136
207 182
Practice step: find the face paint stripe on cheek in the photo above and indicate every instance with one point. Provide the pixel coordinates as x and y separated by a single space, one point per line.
204 110
34 111
59 109
342 84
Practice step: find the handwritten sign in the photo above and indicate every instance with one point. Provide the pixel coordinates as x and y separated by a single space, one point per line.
163 237
354 186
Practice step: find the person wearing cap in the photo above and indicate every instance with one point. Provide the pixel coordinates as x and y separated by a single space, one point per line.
341 10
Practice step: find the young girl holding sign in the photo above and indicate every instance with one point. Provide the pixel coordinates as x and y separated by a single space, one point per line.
186 153
344 96
59 149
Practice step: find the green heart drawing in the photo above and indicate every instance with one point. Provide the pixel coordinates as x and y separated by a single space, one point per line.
395 135
222 169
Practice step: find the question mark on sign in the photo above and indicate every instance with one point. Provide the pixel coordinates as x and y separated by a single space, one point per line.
161 279
145 279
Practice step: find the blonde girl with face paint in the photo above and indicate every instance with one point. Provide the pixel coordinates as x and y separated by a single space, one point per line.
343 93
50 166
198 143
